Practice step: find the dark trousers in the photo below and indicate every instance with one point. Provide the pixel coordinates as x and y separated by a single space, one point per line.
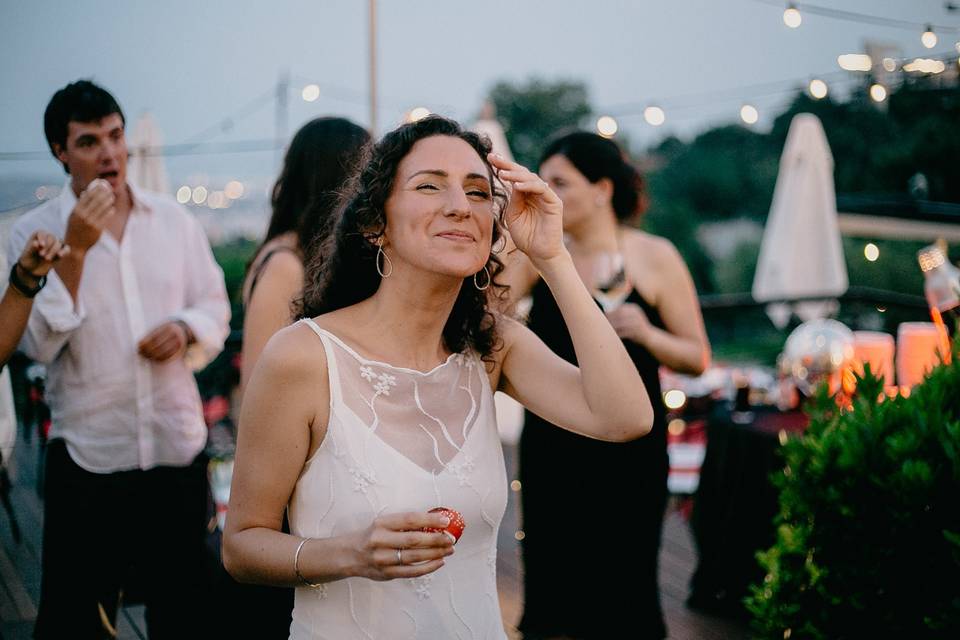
105 534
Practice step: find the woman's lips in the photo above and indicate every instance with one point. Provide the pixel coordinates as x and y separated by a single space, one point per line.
456 236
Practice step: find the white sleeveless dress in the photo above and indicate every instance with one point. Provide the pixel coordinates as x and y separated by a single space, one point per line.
403 440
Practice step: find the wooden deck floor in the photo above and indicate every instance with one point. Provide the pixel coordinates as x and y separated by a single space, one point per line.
20 568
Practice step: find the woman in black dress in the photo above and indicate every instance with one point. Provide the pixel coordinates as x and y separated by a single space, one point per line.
577 491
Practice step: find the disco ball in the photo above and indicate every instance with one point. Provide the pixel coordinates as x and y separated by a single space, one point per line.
817 351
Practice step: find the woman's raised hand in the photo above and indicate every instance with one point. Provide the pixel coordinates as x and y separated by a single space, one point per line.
395 546
534 215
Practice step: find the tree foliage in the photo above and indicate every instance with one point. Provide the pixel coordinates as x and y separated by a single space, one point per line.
532 112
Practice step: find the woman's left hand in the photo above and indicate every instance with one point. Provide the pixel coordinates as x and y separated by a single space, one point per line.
630 322
534 215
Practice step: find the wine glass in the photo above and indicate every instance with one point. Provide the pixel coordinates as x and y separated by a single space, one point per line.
610 284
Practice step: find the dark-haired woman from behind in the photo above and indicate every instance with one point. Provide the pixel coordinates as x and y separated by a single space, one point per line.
321 156
318 162
644 287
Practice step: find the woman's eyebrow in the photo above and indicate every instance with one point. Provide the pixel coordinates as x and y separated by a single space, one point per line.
443 174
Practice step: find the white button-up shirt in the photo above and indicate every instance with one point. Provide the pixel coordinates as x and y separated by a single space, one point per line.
115 409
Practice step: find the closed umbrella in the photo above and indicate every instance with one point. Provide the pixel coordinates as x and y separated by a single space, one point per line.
801 254
488 125
145 165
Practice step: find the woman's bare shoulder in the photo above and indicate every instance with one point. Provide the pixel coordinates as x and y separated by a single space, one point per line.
649 244
295 350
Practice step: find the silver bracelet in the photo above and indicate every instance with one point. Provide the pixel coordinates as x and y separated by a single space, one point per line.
296 566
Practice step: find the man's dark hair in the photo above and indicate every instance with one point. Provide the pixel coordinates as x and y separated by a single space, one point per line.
80 101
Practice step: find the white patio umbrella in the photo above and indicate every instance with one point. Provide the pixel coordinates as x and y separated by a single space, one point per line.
801 254
145 165
488 125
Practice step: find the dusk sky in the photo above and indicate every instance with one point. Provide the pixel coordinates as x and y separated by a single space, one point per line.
194 64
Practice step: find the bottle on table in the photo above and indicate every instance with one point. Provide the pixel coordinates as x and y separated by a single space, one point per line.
942 289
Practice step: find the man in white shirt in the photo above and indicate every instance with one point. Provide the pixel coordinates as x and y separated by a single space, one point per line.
138 299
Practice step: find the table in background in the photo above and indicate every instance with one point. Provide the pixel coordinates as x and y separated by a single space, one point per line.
735 504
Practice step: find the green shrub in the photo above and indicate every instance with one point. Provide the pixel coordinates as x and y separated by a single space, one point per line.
868 539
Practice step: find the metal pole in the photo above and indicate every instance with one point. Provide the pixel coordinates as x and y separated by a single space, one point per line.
373 67
281 115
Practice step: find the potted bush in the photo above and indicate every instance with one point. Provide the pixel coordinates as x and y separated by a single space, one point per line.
868 538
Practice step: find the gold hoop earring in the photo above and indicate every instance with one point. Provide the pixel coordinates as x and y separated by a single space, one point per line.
486 284
386 260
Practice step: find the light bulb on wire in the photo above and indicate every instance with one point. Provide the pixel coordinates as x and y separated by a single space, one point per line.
310 93
929 38
818 88
417 113
749 114
792 17
654 116
606 126
878 92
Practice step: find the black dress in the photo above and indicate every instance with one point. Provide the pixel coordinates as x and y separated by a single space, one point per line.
592 511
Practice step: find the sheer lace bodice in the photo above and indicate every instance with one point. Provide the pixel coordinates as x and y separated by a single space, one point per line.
404 440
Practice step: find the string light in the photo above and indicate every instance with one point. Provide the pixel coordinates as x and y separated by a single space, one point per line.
417 113
925 65
929 38
233 189
889 65
863 18
871 252
607 126
654 116
878 92
792 17
855 62
310 92
818 88
199 194
749 114
183 194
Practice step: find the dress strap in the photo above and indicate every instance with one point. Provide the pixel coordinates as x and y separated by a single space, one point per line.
262 264
333 374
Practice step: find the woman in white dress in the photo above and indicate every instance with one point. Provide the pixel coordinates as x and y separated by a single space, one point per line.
378 405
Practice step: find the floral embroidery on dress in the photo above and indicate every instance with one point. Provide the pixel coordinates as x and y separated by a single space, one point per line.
383 384
381 381
492 561
464 360
422 586
361 479
321 591
461 468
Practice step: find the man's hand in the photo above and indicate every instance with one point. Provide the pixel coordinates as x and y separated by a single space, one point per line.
165 342
89 217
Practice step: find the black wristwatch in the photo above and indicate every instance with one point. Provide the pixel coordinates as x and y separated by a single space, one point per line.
22 286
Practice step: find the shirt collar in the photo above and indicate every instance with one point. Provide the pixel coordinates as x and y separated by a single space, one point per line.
68 200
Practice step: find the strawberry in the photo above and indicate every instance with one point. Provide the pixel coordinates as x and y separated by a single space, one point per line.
456 526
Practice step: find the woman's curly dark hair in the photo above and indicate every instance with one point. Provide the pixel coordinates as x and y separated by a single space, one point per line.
341 267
